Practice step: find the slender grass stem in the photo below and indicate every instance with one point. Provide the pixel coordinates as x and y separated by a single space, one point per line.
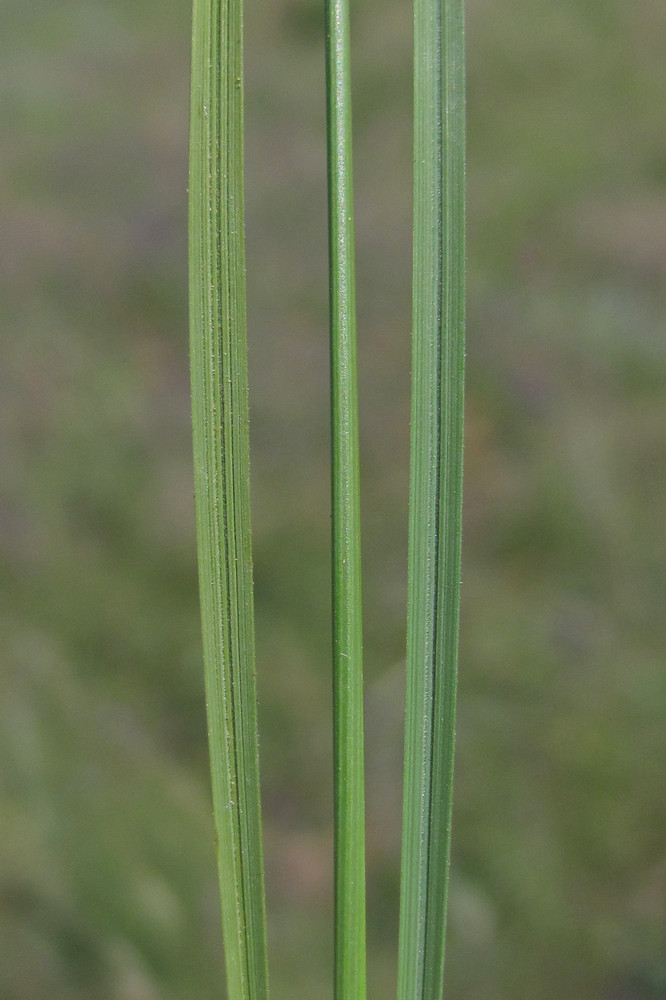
349 799
435 492
221 463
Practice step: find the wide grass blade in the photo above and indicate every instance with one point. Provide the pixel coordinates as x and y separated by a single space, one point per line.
349 822
221 462
435 491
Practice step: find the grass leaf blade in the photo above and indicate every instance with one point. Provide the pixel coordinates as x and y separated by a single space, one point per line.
221 460
350 974
435 492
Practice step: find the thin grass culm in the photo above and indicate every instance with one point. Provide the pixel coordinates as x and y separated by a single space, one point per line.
349 798
435 492
221 466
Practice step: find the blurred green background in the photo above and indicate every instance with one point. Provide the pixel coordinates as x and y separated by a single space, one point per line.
107 882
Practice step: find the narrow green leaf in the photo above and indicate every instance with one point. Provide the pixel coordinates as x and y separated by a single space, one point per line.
349 796
435 491
221 465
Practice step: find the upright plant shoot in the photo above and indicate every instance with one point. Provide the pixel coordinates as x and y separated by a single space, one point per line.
349 799
435 491
221 466
221 458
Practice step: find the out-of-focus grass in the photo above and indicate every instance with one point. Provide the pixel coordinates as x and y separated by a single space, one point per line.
107 882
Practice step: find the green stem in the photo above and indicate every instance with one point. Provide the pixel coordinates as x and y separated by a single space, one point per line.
221 463
349 819
435 492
